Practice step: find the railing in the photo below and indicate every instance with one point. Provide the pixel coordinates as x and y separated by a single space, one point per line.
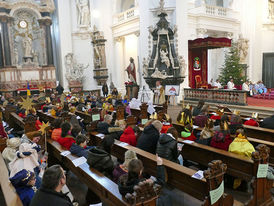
126 15
215 10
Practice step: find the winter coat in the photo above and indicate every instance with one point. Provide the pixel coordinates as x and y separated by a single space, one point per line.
196 111
46 197
129 136
149 139
66 141
56 134
100 160
167 147
2 131
102 127
252 122
200 120
268 122
125 186
221 141
118 172
79 151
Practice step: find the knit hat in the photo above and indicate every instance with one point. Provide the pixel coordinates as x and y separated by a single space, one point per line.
157 124
129 155
21 178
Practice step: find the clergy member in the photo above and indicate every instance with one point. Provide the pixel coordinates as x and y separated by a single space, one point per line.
230 84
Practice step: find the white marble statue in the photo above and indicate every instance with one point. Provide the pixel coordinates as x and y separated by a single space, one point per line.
74 71
158 74
145 67
35 57
16 56
164 57
243 48
27 45
182 65
83 13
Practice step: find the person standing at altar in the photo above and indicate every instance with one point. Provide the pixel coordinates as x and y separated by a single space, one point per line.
217 84
131 71
105 89
159 94
230 84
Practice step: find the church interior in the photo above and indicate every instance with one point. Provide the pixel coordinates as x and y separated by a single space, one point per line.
136 102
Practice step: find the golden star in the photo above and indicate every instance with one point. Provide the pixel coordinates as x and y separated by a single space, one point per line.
27 103
43 127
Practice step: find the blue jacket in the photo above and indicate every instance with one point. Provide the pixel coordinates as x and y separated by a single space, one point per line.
79 151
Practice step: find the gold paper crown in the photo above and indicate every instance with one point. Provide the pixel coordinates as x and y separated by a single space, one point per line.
154 116
167 117
48 100
255 115
236 112
187 106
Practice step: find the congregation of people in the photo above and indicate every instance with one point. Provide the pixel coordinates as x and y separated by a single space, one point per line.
27 160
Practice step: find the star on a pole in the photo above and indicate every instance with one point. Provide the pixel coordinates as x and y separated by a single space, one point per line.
43 127
27 103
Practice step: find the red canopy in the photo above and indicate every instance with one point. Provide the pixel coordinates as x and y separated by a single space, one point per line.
209 42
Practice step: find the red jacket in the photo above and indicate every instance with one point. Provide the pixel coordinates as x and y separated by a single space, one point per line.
165 128
38 124
221 144
129 136
2 131
66 141
251 122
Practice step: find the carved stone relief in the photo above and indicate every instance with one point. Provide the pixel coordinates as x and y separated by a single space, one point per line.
74 70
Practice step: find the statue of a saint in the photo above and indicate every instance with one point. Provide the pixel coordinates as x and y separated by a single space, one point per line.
164 58
182 65
35 57
243 48
145 67
131 71
83 13
27 44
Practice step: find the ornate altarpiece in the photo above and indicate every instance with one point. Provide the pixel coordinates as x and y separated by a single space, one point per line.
26 45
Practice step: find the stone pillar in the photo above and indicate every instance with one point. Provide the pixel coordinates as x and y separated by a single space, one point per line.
6 42
1 53
46 23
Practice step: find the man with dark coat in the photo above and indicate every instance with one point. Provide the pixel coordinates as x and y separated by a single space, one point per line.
268 122
105 89
50 193
148 140
59 89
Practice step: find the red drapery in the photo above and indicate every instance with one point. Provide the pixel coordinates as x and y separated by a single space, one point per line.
197 56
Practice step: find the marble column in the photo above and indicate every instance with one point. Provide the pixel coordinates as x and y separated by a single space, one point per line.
6 43
1 53
46 24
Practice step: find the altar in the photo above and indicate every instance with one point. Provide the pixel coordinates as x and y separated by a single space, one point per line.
222 96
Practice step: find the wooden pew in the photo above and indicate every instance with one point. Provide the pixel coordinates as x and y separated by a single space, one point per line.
178 176
106 189
253 141
260 133
10 195
237 166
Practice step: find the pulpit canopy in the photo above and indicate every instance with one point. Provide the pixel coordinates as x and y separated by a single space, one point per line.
209 43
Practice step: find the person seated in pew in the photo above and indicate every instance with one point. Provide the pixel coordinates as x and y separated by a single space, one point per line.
99 157
185 116
9 153
166 123
207 133
167 145
122 169
56 132
201 119
187 133
253 121
128 181
50 193
217 116
80 148
26 158
150 136
235 122
31 137
24 184
32 113
130 135
221 139
197 110
66 139
241 145
268 122
224 118
102 127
